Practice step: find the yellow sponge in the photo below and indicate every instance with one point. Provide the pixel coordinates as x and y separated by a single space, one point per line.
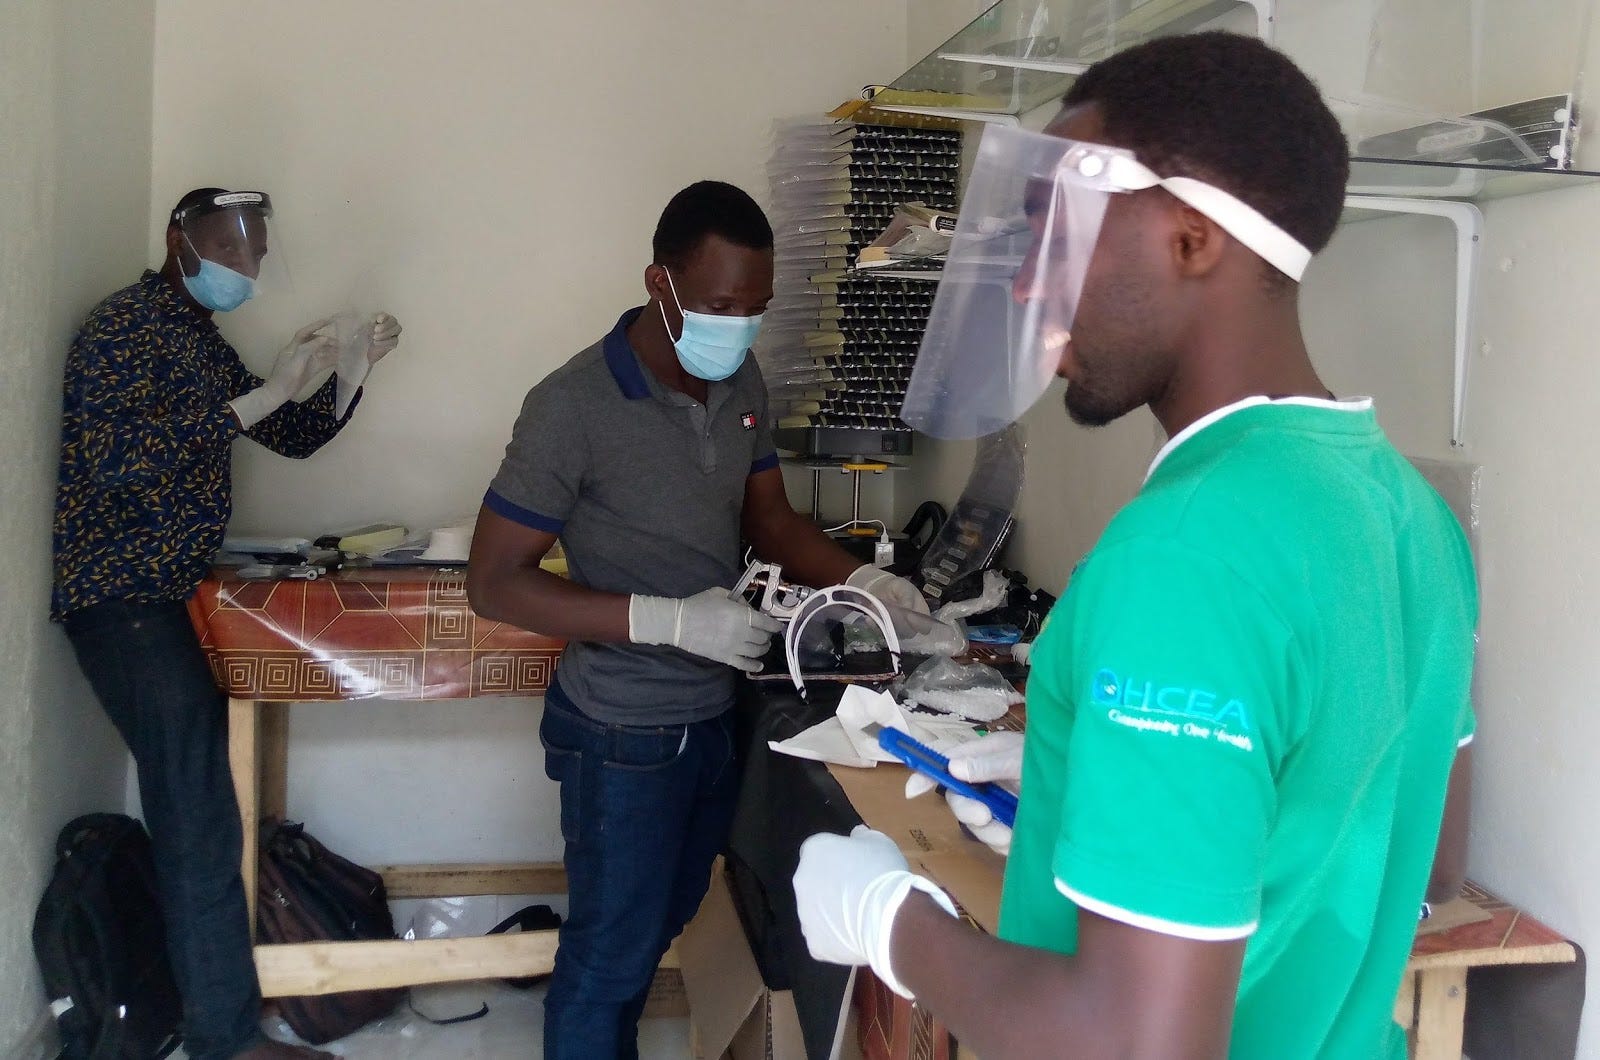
370 540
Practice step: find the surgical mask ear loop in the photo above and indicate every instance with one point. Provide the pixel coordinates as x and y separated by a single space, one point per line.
198 258
674 289
868 605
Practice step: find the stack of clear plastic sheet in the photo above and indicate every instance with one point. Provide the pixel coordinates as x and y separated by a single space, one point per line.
838 343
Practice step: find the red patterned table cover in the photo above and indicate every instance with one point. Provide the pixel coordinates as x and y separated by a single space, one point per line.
389 632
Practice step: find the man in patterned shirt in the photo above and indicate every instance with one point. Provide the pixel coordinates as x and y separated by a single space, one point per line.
153 398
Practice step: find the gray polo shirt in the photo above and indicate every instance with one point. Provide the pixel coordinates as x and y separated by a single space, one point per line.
645 487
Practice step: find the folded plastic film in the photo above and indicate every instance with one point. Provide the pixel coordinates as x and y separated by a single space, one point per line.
1459 484
352 330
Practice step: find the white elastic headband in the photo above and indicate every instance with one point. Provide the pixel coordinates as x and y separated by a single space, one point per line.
868 605
1244 223
1236 217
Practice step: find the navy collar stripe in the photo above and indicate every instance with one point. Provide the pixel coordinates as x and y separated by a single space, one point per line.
622 361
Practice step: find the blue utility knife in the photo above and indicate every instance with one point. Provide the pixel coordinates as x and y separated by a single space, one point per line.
926 760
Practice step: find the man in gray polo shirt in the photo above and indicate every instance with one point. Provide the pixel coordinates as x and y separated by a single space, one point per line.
649 455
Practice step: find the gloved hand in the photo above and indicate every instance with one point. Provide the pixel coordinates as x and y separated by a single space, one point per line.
996 757
377 337
312 350
894 591
848 890
385 337
713 624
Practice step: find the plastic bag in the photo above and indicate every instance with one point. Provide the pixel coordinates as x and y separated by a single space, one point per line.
919 634
452 918
922 634
996 587
974 535
970 690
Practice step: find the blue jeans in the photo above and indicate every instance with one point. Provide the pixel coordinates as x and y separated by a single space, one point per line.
644 812
147 670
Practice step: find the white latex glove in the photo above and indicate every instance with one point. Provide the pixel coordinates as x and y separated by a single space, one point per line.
381 334
996 757
385 337
848 890
713 624
310 351
889 588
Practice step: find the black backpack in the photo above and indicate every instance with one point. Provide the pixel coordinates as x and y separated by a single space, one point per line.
307 893
101 945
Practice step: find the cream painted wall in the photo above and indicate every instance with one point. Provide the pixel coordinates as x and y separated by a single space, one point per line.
74 190
491 172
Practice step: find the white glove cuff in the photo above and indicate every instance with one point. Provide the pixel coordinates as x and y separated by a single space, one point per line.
654 619
893 888
253 407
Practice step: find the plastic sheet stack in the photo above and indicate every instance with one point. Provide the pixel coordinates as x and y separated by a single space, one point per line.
838 345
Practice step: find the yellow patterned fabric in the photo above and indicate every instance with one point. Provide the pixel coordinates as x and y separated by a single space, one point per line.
144 492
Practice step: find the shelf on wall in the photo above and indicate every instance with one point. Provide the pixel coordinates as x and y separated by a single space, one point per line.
1462 181
1021 54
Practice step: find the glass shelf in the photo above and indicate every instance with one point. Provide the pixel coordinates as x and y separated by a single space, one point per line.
1022 54
1462 181
1419 125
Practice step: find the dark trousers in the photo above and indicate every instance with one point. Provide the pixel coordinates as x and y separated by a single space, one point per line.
644 812
146 667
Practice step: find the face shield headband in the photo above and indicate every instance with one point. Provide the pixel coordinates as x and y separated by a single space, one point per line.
846 597
1022 249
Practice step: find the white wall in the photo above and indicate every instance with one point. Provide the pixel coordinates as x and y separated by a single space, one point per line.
74 189
491 172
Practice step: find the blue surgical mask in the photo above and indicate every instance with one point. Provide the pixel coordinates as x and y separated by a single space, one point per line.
711 347
218 287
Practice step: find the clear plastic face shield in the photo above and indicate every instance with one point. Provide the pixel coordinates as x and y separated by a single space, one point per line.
1022 251
840 628
228 251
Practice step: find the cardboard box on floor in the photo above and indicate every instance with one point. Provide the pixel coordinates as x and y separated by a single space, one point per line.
931 839
666 999
731 1012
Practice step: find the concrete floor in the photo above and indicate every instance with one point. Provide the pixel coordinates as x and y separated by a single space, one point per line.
513 1029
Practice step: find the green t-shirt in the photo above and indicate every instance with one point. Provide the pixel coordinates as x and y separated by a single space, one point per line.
1242 717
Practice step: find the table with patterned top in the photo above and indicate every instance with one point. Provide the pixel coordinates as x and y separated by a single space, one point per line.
377 632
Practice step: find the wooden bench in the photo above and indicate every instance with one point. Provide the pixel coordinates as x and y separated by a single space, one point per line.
1432 1005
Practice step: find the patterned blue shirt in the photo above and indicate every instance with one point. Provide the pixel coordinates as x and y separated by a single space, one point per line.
144 491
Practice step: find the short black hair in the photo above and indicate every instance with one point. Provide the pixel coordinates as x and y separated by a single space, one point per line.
708 208
1231 111
193 198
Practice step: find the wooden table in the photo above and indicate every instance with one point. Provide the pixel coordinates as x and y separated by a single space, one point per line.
391 633
1433 995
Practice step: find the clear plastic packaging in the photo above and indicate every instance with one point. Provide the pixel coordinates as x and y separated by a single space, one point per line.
451 918
971 539
968 690
996 587
922 634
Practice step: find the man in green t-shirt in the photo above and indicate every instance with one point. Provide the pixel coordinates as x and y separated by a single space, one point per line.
1246 711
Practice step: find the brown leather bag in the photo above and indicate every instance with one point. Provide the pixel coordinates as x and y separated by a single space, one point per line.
307 893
